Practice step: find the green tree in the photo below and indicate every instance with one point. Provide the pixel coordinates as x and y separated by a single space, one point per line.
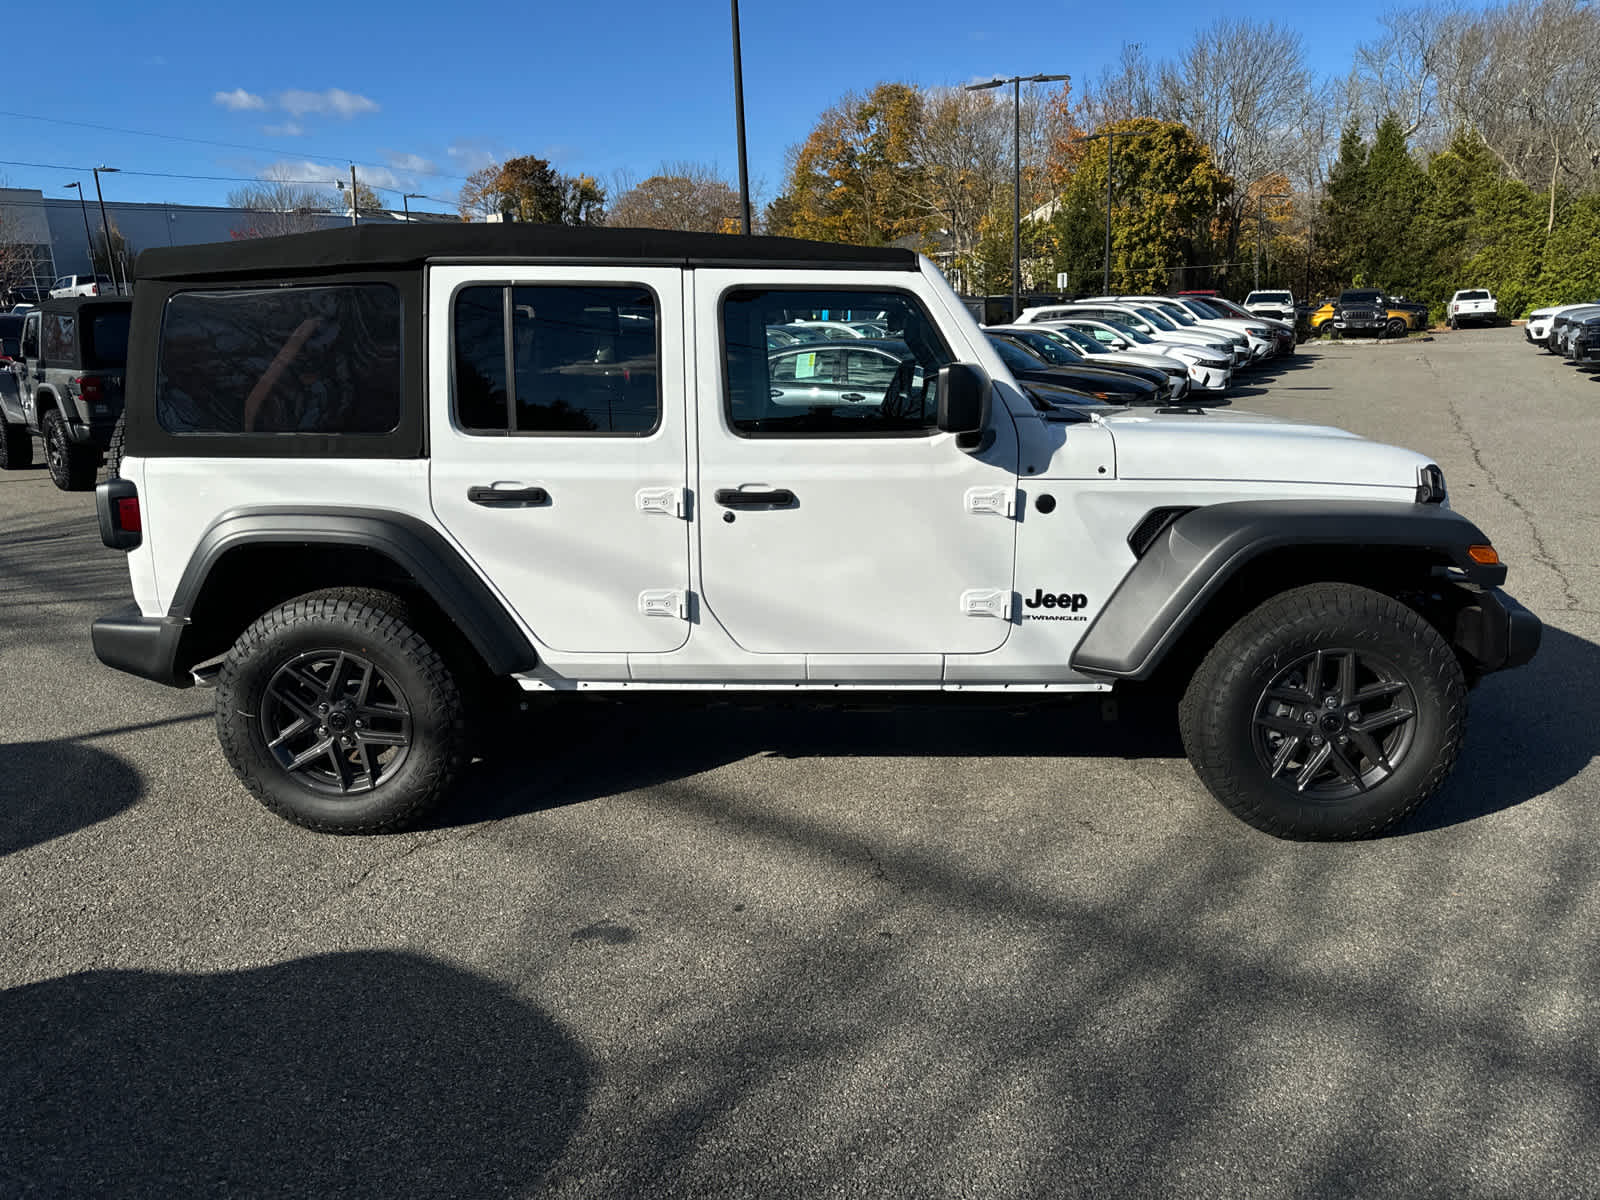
1165 187
1394 187
1571 269
528 188
1342 222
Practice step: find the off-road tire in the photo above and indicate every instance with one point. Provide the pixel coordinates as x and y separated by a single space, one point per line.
119 436
16 446
1218 714
72 466
1396 327
333 621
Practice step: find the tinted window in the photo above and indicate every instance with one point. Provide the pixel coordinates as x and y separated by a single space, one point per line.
107 338
889 387
284 360
583 360
30 340
60 337
1473 296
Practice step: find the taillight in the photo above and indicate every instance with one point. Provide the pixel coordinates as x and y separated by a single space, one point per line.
94 289
116 503
89 387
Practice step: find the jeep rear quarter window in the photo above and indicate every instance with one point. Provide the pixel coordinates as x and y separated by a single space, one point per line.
898 402
316 360
582 360
60 337
106 338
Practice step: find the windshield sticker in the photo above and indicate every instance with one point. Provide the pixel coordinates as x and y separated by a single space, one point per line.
805 365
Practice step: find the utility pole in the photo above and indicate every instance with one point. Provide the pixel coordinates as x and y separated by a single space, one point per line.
88 238
406 200
1110 136
738 111
1016 82
355 201
1261 204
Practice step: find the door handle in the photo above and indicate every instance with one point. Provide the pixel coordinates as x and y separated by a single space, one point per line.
735 498
492 496
853 397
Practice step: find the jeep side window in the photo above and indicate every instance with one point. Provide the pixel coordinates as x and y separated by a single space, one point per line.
580 359
890 387
30 338
60 337
319 360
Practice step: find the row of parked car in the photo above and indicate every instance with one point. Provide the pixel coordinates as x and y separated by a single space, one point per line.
1570 330
1373 311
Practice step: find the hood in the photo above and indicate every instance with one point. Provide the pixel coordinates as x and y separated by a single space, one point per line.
1204 443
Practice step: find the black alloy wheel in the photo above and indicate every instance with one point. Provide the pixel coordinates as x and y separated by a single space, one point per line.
1335 723
336 722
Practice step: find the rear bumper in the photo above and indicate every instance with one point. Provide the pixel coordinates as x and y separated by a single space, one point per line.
140 645
1496 632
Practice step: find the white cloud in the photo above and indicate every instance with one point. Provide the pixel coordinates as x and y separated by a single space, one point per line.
240 100
326 173
414 164
333 102
287 129
470 158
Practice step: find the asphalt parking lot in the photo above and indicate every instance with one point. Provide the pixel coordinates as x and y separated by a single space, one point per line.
721 952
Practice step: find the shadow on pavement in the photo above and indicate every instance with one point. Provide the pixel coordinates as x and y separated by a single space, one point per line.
50 789
371 1073
1529 730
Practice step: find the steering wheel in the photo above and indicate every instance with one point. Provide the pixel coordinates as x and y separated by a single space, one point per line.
896 405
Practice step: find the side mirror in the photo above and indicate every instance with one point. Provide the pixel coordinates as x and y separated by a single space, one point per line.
964 392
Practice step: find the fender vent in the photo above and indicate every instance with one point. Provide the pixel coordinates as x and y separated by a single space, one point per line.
1149 529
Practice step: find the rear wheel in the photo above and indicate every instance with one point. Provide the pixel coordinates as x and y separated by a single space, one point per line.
1331 711
339 716
119 433
72 466
16 446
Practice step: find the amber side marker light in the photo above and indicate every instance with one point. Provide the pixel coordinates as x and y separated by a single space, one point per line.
1483 554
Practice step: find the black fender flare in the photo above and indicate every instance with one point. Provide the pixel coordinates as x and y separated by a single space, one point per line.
1190 560
411 544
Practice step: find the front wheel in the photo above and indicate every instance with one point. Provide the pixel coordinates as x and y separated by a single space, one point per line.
16 446
1396 327
1329 712
338 715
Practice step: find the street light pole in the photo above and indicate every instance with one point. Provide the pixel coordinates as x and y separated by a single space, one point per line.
1110 136
88 238
1016 82
738 111
105 226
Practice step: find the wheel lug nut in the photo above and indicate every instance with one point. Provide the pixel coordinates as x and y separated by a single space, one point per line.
1353 715
1316 739
358 724
1311 718
322 708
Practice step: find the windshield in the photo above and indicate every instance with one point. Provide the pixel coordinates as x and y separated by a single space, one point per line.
1269 298
1159 320
1047 348
1480 295
1207 308
1177 314
1137 336
1014 356
1362 297
1078 339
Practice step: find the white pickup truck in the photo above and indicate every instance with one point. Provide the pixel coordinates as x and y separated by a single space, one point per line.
1472 304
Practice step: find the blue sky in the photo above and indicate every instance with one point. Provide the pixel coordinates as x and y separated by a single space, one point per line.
421 94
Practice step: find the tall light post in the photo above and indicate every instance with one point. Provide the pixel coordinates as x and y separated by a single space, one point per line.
105 226
406 200
738 115
1110 136
1016 82
1261 205
83 207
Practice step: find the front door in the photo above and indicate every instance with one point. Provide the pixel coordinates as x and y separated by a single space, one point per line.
835 519
557 431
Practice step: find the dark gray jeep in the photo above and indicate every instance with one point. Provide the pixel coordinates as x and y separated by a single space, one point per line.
68 376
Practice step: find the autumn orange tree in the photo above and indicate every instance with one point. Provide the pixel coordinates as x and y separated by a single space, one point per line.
527 188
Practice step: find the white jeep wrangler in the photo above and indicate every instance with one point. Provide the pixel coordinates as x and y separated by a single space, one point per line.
372 474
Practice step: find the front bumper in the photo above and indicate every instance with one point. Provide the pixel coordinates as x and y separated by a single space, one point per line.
1210 379
1496 632
1586 352
1360 324
140 645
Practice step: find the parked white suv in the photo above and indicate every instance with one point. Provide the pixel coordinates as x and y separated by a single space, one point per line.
370 472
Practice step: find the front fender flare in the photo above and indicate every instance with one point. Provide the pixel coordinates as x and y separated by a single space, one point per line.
1198 553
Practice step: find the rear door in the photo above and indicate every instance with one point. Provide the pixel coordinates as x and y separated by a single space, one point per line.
558 446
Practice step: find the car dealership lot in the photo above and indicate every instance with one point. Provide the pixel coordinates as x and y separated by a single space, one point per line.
715 951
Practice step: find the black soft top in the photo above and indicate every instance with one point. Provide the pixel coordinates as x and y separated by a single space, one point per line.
400 246
75 304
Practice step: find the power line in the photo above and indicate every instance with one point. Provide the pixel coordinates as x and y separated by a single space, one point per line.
173 137
6 162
